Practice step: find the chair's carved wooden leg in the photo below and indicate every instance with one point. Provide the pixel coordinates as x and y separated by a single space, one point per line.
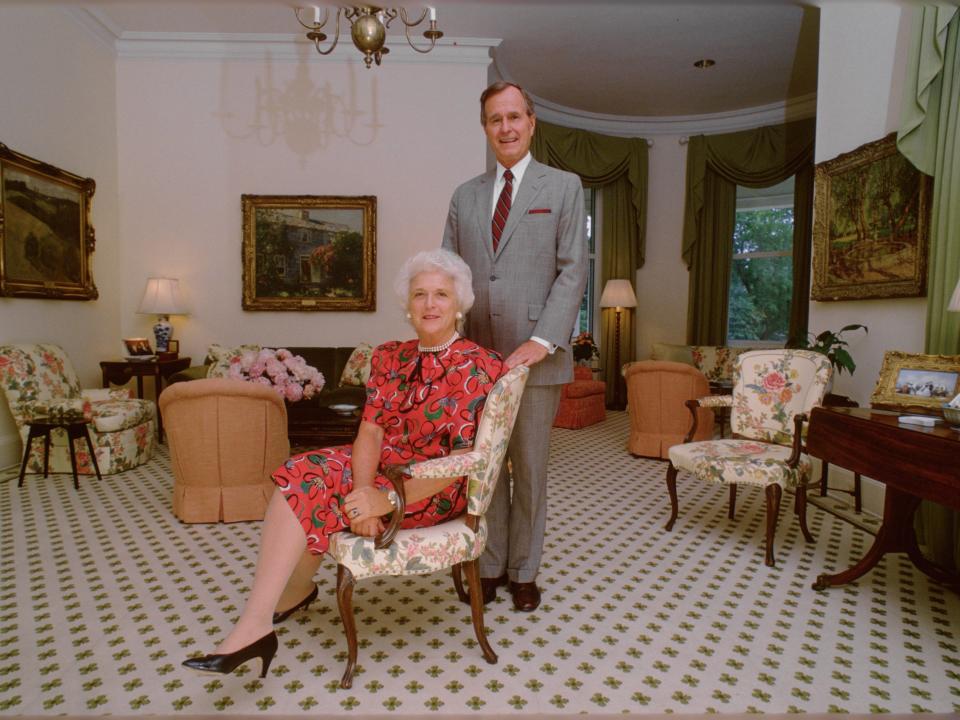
476 609
458 583
345 583
800 508
672 489
732 502
773 511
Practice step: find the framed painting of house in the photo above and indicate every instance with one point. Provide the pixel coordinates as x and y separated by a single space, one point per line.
309 252
871 225
46 238
910 382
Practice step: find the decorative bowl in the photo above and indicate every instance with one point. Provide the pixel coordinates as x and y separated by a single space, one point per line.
951 415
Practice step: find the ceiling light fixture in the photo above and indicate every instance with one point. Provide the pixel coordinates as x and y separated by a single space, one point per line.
705 63
368 28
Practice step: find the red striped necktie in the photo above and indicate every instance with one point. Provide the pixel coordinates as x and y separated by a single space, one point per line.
502 210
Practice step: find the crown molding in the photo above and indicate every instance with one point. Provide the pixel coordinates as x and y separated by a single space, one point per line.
97 24
252 46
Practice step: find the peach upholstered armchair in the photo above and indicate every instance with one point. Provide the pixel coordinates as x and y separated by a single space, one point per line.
226 437
453 544
773 394
39 381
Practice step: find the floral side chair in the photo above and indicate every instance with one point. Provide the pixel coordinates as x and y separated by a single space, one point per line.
39 381
454 544
773 394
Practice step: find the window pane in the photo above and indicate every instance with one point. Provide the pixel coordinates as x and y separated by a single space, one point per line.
763 230
760 293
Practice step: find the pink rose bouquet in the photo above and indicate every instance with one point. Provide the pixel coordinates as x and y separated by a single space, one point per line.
288 374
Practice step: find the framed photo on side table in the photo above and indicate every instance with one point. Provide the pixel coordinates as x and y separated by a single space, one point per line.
916 383
309 252
871 225
46 238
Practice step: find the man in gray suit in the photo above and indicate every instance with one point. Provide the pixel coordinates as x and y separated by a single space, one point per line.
520 228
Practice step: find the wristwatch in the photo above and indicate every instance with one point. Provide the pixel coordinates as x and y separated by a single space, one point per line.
394 499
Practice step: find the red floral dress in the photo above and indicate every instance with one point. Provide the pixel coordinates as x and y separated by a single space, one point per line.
428 404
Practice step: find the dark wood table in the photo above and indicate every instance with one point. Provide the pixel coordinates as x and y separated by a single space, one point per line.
76 429
914 463
119 372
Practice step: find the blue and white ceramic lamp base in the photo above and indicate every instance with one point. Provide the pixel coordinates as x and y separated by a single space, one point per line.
162 331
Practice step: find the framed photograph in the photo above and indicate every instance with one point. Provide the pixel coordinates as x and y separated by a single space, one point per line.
309 252
916 383
871 225
46 238
137 346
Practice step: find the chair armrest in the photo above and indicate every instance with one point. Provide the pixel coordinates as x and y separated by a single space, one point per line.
394 475
451 466
103 394
798 420
715 401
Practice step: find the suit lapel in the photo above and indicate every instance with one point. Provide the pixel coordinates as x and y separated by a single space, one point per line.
483 197
530 187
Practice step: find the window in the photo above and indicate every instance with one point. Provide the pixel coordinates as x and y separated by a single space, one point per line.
761 274
587 317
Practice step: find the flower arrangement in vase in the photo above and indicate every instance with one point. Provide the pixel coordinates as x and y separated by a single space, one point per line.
288 374
584 348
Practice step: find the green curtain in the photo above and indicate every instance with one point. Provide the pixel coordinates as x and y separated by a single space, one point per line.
618 167
929 137
716 164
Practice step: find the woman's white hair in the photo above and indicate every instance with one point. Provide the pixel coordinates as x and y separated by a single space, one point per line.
444 261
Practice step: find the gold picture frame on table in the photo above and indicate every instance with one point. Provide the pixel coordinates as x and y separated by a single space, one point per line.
916 383
871 225
309 252
46 238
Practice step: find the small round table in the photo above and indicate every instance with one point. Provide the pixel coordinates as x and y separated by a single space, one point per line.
76 429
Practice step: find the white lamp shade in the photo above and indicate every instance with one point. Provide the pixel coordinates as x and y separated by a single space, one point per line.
954 305
161 297
618 293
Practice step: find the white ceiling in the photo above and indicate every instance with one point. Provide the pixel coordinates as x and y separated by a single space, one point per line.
607 57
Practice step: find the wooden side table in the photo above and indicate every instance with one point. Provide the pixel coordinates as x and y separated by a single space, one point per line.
119 372
76 430
831 400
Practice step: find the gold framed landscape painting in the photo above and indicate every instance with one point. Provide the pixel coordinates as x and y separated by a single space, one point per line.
916 383
46 238
871 225
309 252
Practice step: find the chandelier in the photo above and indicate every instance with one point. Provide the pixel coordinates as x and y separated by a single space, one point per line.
368 28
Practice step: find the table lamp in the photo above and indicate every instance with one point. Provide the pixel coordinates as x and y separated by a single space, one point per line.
162 298
617 294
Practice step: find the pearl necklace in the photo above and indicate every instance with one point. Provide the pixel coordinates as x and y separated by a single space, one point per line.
438 348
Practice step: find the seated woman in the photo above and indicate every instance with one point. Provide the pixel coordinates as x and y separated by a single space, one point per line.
424 398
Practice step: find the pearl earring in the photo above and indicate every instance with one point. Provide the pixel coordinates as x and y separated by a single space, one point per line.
459 315
409 316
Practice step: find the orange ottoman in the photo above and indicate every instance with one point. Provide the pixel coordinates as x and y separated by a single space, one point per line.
582 401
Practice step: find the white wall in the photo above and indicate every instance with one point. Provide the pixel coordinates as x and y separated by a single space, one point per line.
864 45
58 88
188 150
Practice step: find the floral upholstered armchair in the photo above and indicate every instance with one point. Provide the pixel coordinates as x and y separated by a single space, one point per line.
453 544
39 382
773 394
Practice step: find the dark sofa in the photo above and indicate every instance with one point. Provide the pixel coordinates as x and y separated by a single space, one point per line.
314 423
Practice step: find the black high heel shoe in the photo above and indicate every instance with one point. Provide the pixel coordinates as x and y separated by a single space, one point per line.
279 617
264 648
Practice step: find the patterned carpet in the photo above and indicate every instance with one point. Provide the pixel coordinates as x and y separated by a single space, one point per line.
103 592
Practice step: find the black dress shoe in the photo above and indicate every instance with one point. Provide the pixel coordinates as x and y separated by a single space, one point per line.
264 648
488 588
526 596
279 617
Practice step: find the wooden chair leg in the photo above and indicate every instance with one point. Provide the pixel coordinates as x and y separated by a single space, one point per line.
93 452
800 509
672 489
345 583
773 512
476 610
857 498
732 504
458 583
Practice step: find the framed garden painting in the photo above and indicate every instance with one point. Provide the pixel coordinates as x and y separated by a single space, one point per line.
46 238
309 252
871 225
916 383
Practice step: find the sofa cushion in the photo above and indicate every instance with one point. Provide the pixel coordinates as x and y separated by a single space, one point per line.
115 415
716 361
357 369
219 358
